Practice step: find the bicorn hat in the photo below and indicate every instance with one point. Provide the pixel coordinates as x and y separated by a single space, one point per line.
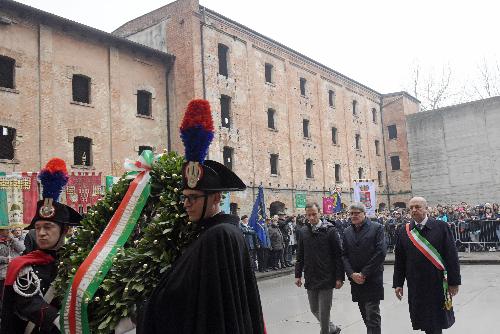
53 178
197 132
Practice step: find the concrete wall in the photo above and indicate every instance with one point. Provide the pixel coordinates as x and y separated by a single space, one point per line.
455 153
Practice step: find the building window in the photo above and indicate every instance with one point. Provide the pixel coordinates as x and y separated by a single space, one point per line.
222 52
144 99
334 136
82 150
374 115
303 86
331 98
7 142
225 111
377 147
274 164
393 131
144 148
337 173
395 163
227 156
380 178
309 168
357 138
7 66
269 72
305 128
81 88
270 118
354 107
360 173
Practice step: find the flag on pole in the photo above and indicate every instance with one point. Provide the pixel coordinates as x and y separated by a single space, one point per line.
258 217
337 202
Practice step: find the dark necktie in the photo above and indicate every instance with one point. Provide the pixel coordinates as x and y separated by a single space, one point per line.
419 227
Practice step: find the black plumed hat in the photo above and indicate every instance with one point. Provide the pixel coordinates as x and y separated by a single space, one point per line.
197 132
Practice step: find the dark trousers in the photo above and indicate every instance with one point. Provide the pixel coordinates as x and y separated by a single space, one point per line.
253 257
2 281
320 303
263 258
370 312
434 331
277 257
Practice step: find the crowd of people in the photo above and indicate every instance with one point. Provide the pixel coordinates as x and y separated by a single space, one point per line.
281 230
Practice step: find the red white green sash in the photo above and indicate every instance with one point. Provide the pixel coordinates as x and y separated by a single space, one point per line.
93 270
431 253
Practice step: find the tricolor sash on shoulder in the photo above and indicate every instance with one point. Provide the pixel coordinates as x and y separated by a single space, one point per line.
431 253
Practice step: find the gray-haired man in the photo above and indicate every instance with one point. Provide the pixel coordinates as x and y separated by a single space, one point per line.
364 251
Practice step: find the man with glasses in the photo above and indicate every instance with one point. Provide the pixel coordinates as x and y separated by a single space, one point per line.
364 251
319 256
211 287
426 257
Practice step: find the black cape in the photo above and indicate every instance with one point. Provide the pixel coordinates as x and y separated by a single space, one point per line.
425 281
210 289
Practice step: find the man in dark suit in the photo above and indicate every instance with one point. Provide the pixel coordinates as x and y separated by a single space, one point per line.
319 257
432 272
364 251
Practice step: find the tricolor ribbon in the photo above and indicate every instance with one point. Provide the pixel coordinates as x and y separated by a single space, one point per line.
432 254
93 270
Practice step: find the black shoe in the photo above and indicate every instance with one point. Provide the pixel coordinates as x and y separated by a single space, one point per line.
276 268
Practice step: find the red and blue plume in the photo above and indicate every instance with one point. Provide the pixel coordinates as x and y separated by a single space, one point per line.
53 178
197 130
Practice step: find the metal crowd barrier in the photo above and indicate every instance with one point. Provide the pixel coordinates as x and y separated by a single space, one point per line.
476 235
472 235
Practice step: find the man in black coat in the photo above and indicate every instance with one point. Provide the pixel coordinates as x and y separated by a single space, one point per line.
364 252
211 287
430 305
319 255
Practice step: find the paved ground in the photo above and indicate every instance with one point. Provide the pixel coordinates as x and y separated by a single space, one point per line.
477 305
465 258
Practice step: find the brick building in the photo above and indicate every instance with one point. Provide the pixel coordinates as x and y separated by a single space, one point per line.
283 120
75 92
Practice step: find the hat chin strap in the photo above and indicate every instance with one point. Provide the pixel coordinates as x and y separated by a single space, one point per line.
205 200
60 241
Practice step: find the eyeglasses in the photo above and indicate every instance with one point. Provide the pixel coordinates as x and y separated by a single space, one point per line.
355 213
191 198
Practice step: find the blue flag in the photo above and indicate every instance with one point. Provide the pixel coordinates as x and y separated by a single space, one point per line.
337 202
258 217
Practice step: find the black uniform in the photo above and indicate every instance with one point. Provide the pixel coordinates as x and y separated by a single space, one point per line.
28 304
211 288
425 281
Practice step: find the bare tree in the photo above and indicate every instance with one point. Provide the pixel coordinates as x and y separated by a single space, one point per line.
488 83
434 91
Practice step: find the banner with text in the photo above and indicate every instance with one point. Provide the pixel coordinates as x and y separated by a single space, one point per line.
83 190
364 192
300 200
18 198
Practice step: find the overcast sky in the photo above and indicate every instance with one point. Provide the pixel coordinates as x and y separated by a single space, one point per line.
374 42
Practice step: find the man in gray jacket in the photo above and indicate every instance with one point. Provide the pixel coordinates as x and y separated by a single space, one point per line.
364 251
319 256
